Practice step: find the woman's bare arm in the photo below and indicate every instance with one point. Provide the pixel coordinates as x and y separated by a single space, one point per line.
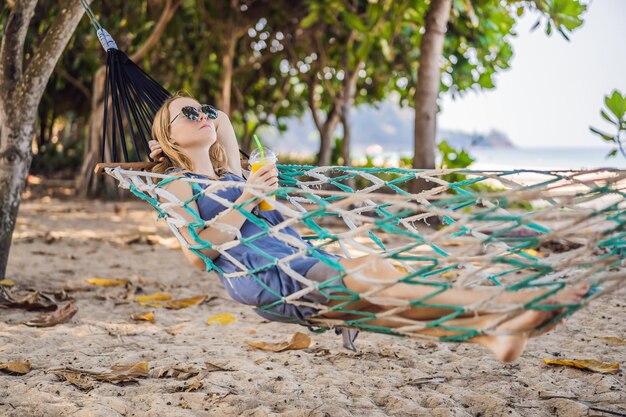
182 190
226 137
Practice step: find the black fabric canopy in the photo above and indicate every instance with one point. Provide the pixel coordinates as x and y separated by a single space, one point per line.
131 97
135 98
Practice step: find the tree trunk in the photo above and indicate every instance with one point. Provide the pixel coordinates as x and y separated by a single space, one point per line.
345 150
426 93
326 145
16 156
228 46
226 75
23 89
345 142
326 128
88 183
349 94
427 89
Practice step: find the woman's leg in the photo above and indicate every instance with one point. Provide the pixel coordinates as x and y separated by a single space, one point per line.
382 272
506 347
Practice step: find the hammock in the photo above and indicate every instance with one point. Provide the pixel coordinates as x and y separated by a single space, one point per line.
511 230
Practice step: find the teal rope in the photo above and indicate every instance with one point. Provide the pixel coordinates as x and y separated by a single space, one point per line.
464 196
92 17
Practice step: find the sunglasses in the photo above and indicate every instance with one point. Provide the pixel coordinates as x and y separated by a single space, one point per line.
192 113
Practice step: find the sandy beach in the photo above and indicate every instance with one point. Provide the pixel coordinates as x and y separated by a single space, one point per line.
59 243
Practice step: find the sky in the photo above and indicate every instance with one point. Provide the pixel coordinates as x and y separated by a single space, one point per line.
554 89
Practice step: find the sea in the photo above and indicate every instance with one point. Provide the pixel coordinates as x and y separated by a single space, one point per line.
528 158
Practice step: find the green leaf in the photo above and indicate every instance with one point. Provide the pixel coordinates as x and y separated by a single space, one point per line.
485 80
387 51
375 13
310 20
608 118
354 22
604 136
611 154
616 103
364 49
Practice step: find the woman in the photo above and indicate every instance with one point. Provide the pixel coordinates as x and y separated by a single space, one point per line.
199 142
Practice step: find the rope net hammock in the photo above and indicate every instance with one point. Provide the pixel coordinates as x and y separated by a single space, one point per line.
507 230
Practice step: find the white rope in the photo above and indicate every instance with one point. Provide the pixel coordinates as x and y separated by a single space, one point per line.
567 207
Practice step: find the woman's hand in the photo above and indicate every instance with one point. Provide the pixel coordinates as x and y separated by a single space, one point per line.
266 176
155 150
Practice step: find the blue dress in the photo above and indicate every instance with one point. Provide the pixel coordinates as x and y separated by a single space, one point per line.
245 289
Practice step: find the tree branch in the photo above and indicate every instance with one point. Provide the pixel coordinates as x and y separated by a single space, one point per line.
321 63
40 67
12 48
164 19
313 104
264 58
74 81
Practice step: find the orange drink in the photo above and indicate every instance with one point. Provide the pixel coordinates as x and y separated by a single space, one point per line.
256 163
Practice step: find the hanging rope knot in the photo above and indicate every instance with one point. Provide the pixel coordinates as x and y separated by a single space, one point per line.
106 39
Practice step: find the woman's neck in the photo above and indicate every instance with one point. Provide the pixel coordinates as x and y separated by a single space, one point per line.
201 161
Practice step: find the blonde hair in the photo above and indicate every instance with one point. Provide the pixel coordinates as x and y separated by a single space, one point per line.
175 155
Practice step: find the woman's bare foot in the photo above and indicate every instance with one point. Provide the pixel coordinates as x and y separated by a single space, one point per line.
507 348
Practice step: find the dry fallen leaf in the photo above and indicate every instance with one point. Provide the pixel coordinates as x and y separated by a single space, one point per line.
185 302
62 315
222 318
178 372
211 367
193 385
139 369
20 367
107 282
149 300
35 300
586 364
613 340
7 282
121 373
81 381
149 316
298 341
164 300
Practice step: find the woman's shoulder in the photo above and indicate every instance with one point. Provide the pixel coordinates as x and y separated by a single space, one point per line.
175 171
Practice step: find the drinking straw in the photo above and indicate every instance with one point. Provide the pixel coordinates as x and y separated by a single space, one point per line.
258 144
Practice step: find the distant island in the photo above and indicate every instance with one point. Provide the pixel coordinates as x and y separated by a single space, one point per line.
494 139
386 125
